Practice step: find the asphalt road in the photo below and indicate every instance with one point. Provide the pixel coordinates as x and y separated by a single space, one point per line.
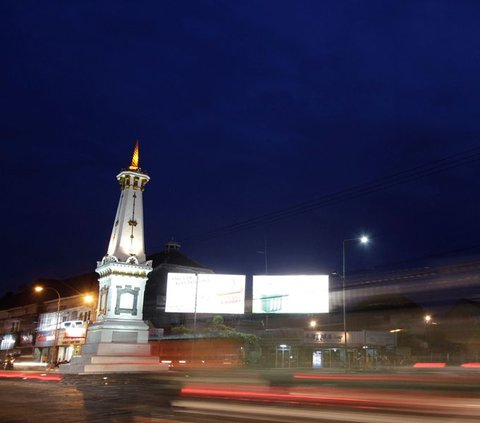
118 399
240 397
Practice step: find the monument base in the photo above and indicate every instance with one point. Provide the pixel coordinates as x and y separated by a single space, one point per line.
115 346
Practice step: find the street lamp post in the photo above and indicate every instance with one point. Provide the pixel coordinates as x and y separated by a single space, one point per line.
363 240
195 307
194 320
55 341
428 320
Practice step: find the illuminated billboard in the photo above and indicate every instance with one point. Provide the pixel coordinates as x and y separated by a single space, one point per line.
290 294
205 293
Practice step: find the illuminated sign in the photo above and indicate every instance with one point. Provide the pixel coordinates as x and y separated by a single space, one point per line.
290 294
331 337
75 333
205 293
354 338
8 342
26 338
45 339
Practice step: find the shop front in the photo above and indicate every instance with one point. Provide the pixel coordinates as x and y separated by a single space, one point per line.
363 349
68 339
45 346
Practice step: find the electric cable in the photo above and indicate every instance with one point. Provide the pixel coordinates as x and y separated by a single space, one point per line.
380 184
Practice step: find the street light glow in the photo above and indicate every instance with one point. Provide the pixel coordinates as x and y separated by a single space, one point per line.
313 323
38 288
364 239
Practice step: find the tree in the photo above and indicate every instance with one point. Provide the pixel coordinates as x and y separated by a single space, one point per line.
218 327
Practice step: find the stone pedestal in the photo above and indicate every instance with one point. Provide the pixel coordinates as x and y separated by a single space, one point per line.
115 346
118 341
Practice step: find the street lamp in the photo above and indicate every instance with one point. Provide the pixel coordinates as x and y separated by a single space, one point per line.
313 323
88 298
40 288
362 240
428 321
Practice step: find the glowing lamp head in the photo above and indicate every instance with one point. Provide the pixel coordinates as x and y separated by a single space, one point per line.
88 299
364 239
313 323
38 288
428 318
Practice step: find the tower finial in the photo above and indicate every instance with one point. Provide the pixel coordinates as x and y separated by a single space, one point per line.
135 158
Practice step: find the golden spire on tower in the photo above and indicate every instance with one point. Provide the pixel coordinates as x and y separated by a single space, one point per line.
135 158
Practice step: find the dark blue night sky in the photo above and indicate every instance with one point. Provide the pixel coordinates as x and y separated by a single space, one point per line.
242 109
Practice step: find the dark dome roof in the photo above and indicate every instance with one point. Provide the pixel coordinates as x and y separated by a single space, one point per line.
174 257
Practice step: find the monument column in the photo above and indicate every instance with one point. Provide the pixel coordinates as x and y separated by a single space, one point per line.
118 340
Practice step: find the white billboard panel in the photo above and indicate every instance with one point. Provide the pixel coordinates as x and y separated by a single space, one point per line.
181 292
205 293
290 294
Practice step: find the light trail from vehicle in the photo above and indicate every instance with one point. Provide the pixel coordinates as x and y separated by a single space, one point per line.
25 375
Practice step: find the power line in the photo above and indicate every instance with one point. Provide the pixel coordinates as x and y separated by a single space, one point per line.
380 184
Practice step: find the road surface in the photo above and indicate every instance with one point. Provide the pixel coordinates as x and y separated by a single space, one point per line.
240 397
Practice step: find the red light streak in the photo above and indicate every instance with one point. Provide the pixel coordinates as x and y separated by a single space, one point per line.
387 378
392 377
359 399
470 365
284 397
429 365
39 376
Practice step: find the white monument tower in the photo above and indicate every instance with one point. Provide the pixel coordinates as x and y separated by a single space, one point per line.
118 340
